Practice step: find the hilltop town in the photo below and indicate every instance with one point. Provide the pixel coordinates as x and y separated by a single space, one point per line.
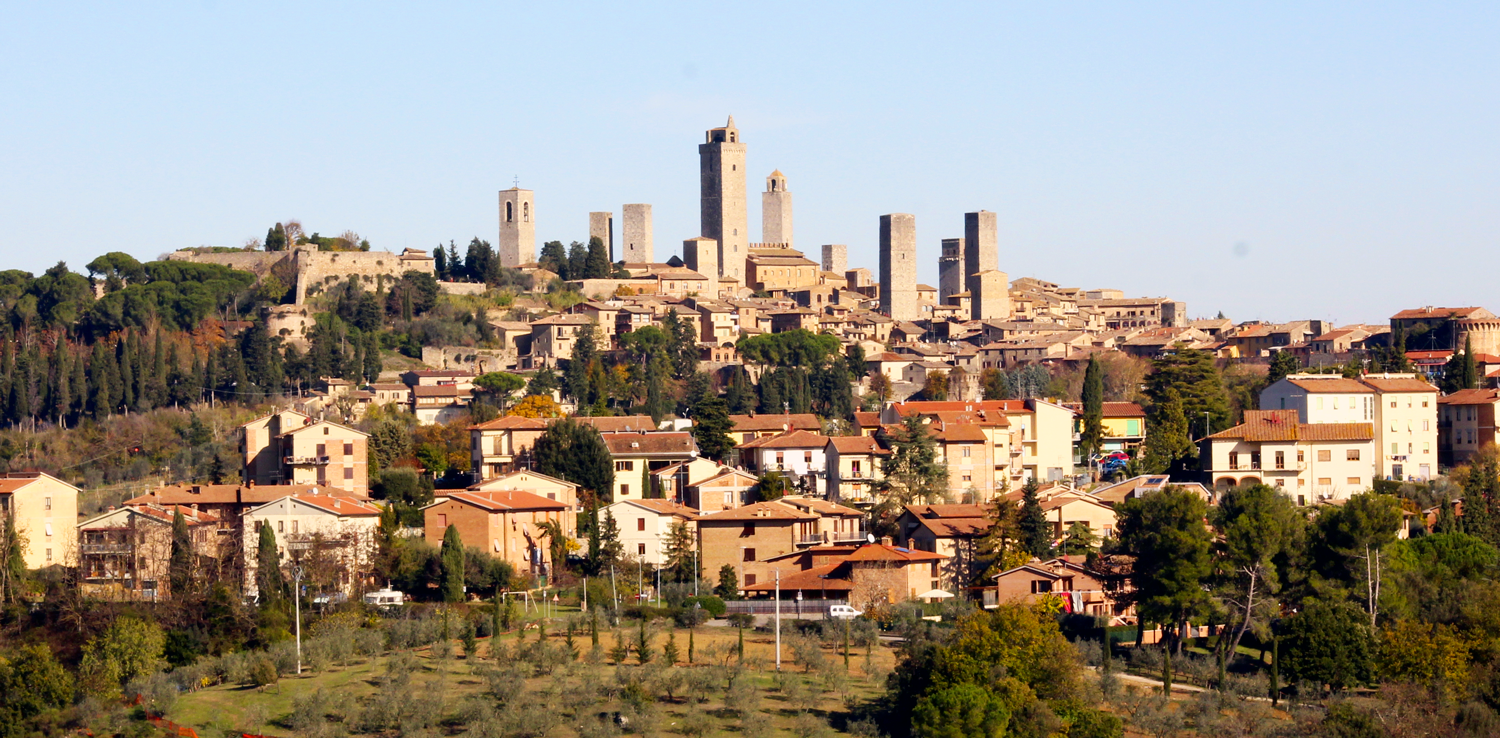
223 446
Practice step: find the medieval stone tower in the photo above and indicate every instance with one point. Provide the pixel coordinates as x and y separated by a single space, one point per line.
950 270
702 256
898 266
602 227
835 258
721 171
517 227
776 211
989 288
636 235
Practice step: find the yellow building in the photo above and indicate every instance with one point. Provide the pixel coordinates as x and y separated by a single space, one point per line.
45 510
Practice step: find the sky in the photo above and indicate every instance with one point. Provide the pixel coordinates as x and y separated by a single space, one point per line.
1270 160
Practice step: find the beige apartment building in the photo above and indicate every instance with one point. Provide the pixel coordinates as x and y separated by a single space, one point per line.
506 524
331 536
126 553
1310 462
854 466
646 526
288 447
1467 424
502 445
637 454
1024 439
45 511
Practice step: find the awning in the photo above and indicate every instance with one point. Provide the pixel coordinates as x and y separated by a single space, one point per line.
935 594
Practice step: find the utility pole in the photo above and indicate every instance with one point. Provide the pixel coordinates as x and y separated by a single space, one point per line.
297 604
778 620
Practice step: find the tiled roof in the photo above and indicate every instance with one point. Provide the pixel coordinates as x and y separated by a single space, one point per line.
960 433
789 439
1439 312
821 507
956 527
626 444
866 420
856 445
1112 409
757 511
339 505
1399 384
1471 397
608 424
666 507
506 500
774 422
816 579
882 552
219 494
511 422
948 511
1330 385
1263 426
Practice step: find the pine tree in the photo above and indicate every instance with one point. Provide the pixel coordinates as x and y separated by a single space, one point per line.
1036 532
1167 439
598 259
1282 364
269 581
1093 407
440 263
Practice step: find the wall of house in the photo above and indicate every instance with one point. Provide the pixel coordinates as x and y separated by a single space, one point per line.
725 543
1406 434
46 514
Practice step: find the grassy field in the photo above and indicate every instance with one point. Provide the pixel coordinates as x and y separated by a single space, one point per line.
436 691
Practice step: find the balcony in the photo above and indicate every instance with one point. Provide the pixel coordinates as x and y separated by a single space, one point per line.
809 539
305 460
846 536
106 548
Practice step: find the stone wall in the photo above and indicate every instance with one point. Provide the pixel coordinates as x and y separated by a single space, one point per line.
476 360
321 270
463 288
290 322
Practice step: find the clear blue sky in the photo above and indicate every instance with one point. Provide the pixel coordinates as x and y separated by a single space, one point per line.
1271 160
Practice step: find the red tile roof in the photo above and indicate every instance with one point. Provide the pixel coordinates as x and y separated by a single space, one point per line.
628 444
789 439
1330 385
1399 384
511 422
506 501
856 445
774 422
757 511
1263 426
1471 397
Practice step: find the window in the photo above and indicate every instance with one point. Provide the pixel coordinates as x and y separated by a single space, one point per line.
807 457
1354 481
749 580
1426 447
1041 587
294 526
1393 403
966 452
281 526
348 448
1393 426
1325 455
780 458
1353 454
49 554
348 472
854 467
968 477
1300 454
1395 448
323 449
749 554
48 502
525 212
1280 460
510 213
1424 425
49 528
1234 460
1320 403
624 466
749 530
640 549
1325 481
624 490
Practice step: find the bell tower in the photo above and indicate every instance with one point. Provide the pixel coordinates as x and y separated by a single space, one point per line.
776 211
721 172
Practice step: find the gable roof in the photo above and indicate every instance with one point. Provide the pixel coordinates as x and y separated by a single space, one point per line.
964 510
757 511
1471 397
618 423
789 439
221 494
1281 425
495 483
511 422
883 552
821 507
956 527
665 507
647 444
1329 385
774 422
502 501
1399 384
856 445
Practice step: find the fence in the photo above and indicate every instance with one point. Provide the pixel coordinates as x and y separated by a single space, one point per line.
789 608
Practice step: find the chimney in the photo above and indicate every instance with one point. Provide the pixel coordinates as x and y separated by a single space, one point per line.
885 540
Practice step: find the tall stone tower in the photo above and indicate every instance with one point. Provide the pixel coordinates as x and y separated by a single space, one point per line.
721 171
517 227
702 256
989 288
898 266
950 270
602 227
776 211
636 235
836 258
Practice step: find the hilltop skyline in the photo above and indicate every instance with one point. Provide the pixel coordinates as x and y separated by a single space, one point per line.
1274 164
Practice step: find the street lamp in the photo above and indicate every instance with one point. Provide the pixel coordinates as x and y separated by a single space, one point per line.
297 604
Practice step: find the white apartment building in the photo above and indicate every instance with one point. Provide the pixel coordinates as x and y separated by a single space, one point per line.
646 526
1310 462
1402 409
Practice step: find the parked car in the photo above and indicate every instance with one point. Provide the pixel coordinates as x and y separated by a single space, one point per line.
843 612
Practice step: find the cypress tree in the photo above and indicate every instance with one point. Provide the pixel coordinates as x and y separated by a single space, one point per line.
1036 533
20 391
138 371
268 579
7 374
181 567
1093 406
98 388
126 375
452 558
62 394
157 382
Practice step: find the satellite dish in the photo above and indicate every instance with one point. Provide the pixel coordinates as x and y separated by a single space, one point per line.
870 537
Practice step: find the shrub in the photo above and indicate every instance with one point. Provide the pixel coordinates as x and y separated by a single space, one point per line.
263 673
711 604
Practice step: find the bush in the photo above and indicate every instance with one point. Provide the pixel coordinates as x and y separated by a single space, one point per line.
711 604
263 673
647 612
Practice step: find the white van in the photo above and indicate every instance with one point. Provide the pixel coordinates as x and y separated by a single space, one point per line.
385 598
843 612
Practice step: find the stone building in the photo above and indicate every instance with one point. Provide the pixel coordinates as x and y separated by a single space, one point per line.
702 256
951 270
989 288
835 258
898 266
505 524
636 235
517 227
721 169
776 211
602 227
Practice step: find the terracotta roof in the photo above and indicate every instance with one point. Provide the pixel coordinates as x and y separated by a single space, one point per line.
856 445
438 390
511 422
1399 384
1281 425
1471 397
1112 409
613 424
956 527
1118 492
503 501
757 511
339 505
219 494
882 552
806 580
666 507
789 439
821 507
949 511
1063 500
626 444
774 422
961 433
866 420
1438 312
1330 385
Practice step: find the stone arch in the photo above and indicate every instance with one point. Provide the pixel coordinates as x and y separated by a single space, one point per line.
525 212
510 215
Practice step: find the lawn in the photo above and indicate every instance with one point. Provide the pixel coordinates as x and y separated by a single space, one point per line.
447 693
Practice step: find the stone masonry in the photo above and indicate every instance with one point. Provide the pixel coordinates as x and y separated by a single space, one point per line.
702 256
721 170
602 227
982 254
835 258
951 270
517 227
776 211
635 237
898 266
